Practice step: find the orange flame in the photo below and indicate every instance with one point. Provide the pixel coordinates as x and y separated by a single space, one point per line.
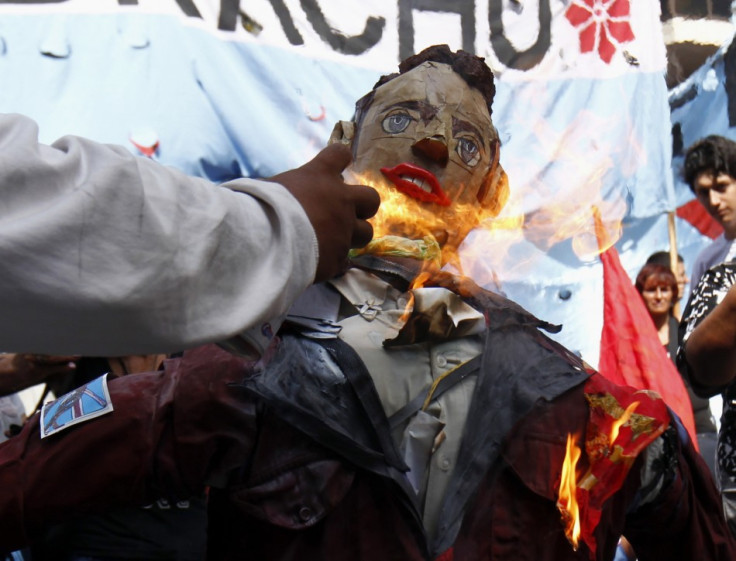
567 502
621 421
405 217
421 279
556 200
406 314
418 282
494 246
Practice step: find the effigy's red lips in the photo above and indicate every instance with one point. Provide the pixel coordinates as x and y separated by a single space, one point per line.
416 182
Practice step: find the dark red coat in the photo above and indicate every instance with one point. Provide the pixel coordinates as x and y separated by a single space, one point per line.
289 483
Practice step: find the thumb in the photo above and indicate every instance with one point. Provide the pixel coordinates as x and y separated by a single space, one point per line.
334 157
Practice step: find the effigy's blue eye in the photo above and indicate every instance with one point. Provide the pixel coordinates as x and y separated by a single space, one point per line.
468 151
396 123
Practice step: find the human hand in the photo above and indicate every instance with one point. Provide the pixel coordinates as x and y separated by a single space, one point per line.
338 211
22 370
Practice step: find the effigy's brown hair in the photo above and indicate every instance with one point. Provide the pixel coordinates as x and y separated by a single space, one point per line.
470 67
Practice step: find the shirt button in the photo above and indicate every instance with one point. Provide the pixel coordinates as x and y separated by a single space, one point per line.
401 302
444 463
441 361
305 514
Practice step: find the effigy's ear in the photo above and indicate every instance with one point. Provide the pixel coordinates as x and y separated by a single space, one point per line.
494 192
343 132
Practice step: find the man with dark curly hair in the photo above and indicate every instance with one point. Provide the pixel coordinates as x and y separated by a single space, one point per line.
710 171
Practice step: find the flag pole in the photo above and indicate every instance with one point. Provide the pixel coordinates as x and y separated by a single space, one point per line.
673 256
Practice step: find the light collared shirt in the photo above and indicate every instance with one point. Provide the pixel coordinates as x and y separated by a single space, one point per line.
401 373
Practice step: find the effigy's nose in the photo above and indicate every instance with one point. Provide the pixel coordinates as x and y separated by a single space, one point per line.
432 147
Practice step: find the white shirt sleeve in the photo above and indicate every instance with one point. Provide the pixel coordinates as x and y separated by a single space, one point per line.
104 253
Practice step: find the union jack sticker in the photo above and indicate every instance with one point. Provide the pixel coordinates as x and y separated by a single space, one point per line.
84 403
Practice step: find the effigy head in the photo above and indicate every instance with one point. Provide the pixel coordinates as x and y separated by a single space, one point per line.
425 139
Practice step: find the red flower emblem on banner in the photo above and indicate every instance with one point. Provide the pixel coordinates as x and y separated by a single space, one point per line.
602 24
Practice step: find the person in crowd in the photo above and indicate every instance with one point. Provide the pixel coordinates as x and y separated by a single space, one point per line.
707 356
658 286
710 170
105 253
680 271
402 412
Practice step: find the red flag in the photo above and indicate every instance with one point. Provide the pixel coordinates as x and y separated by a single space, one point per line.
631 353
695 213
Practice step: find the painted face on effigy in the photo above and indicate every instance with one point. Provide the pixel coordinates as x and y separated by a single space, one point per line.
428 144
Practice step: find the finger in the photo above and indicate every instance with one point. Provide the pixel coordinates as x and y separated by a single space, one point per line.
335 156
362 234
367 200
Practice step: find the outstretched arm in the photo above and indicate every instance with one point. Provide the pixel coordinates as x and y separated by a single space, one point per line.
105 253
